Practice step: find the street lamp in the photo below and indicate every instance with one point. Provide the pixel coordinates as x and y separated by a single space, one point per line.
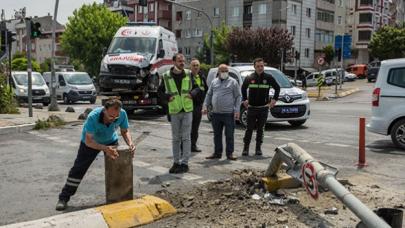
210 21
53 106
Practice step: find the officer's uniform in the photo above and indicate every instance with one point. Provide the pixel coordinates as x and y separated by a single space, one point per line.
258 110
102 134
198 101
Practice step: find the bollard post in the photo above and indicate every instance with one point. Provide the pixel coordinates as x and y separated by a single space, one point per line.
119 177
362 143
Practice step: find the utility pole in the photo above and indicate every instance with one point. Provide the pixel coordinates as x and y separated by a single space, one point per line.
29 67
53 106
299 46
210 21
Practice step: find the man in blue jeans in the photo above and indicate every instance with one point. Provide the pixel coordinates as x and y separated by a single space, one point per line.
99 134
224 95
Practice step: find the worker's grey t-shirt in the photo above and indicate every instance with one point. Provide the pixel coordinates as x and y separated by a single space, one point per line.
224 96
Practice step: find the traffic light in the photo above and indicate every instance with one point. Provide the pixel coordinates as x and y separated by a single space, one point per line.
338 53
35 32
143 2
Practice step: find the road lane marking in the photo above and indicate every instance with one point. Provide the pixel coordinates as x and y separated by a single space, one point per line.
338 145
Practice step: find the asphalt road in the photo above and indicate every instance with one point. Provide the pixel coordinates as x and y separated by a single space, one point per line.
34 165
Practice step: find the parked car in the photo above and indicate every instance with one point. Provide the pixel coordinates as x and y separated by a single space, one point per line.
312 79
73 86
388 104
372 70
360 70
294 82
331 73
293 104
40 91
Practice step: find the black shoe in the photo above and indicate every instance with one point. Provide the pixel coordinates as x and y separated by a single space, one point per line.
184 168
245 151
259 151
231 158
61 205
176 168
195 149
214 156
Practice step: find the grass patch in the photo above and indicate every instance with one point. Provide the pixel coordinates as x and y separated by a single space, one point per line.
52 122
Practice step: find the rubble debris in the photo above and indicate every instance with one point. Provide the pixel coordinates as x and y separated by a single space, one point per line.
332 211
70 109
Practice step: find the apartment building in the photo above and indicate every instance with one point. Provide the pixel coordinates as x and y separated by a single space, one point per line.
364 17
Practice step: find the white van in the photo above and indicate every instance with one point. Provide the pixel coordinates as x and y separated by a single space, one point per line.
138 54
388 104
40 91
73 86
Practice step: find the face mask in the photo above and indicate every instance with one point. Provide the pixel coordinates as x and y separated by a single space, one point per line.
224 75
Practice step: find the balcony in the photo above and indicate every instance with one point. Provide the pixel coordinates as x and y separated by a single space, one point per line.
325 5
165 14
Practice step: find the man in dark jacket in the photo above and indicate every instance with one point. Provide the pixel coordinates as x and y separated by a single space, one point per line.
200 81
258 103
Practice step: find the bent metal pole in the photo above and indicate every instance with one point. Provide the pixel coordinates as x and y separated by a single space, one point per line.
295 158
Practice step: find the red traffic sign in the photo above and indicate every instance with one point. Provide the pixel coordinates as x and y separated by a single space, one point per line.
309 179
321 61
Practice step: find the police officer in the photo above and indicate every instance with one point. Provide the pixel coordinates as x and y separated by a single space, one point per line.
99 134
258 103
200 81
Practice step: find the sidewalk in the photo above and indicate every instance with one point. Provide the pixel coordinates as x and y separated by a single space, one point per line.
14 123
329 92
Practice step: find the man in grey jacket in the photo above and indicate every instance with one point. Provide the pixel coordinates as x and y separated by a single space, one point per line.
224 95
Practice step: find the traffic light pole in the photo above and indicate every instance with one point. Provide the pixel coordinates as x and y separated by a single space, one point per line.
53 106
210 21
29 67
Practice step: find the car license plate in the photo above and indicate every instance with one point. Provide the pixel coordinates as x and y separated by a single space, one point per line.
122 81
289 110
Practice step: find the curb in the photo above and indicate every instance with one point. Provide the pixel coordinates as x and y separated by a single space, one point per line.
339 95
119 215
26 127
349 92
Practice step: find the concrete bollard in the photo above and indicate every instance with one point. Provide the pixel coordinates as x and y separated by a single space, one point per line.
119 177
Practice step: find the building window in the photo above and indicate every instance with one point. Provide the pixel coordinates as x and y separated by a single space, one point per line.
366 18
188 34
235 12
151 7
179 16
262 8
366 2
293 30
178 34
326 16
294 9
216 12
339 20
307 52
364 35
140 9
188 15
248 10
341 3
308 30
308 12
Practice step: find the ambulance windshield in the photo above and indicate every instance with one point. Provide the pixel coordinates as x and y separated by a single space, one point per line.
143 45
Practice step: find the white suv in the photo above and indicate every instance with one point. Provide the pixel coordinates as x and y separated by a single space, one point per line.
292 106
388 112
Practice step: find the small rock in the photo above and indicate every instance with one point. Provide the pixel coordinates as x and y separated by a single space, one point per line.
331 211
70 109
188 203
228 194
374 186
189 198
280 211
38 106
242 214
88 110
165 185
256 197
282 220
82 116
217 202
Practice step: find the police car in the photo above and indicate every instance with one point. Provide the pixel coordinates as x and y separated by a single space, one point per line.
292 106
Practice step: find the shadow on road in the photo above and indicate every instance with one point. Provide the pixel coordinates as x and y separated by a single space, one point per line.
385 147
146 115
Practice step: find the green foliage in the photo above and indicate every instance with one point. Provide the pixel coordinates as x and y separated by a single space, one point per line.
19 54
88 31
7 101
46 65
205 68
247 44
52 122
388 43
329 53
220 54
20 64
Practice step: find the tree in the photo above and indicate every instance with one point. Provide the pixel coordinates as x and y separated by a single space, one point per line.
88 32
7 102
388 43
247 44
220 54
46 65
329 53
21 64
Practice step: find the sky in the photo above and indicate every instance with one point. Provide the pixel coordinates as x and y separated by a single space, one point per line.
43 7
